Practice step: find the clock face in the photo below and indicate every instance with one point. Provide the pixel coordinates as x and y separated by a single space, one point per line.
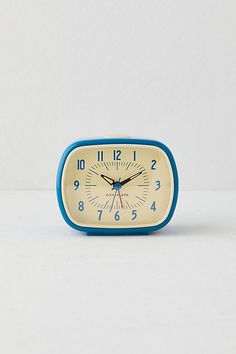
117 186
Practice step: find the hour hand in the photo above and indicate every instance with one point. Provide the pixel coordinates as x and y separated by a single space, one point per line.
108 180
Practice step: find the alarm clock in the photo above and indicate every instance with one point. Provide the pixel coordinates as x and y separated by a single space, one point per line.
117 186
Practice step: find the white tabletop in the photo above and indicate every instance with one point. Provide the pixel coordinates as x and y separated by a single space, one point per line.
62 292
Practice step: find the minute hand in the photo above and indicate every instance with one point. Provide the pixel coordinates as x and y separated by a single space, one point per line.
130 178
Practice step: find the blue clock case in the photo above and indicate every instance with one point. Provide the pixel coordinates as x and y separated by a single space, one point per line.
113 231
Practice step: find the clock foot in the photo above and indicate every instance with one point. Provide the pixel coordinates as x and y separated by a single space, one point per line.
117 233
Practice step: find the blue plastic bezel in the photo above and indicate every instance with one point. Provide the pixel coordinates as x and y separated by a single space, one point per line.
114 231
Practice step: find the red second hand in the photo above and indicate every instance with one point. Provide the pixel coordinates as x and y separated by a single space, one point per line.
120 199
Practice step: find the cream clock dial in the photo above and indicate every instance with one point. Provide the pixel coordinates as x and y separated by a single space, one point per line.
118 195
117 186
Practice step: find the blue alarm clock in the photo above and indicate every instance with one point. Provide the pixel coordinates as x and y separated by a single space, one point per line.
117 186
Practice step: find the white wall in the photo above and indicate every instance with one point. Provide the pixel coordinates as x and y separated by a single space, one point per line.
159 69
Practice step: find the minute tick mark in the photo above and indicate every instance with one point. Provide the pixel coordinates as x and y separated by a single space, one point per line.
93 171
140 198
